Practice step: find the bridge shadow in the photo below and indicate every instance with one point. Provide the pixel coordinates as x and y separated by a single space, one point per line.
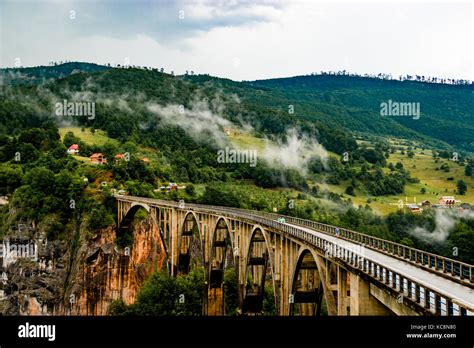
306 296
190 245
221 259
258 277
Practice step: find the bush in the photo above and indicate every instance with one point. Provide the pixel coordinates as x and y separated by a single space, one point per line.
164 295
190 189
350 190
231 296
99 218
462 187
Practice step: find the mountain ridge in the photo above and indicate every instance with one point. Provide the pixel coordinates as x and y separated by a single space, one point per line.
349 102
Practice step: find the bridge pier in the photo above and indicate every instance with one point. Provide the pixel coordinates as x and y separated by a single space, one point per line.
343 300
391 302
361 300
174 242
289 255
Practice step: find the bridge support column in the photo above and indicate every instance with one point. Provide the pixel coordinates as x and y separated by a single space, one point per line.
289 258
342 298
241 231
391 302
325 274
277 261
361 301
240 260
174 241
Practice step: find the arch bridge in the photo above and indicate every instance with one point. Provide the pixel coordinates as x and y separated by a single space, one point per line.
312 268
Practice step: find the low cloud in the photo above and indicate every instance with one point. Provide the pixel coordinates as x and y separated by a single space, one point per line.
445 221
295 152
201 120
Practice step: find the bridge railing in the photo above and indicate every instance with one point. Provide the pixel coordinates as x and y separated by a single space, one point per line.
408 288
410 291
444 266
453 269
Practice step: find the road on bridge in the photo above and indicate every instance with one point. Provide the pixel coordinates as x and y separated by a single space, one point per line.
463 294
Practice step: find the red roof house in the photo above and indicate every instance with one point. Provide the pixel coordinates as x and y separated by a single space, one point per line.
98 158
447 200
119 157
73 149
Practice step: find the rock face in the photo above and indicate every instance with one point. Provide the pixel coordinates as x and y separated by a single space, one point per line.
64 281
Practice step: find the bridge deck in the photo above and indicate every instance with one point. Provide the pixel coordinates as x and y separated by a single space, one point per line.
440 284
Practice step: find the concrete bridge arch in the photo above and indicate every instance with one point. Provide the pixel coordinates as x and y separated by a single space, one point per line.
190 238
259 258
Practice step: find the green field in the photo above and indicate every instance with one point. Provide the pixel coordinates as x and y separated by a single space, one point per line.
247 141
421 166
434 181
98 138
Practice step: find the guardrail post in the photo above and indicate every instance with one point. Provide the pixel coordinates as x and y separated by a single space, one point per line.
449 308
437 304
407 292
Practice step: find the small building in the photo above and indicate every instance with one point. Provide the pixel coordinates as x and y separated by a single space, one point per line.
3 200
172 186
98 158
73 149
119 157
227 131
414 208
145 160
426 204
448 201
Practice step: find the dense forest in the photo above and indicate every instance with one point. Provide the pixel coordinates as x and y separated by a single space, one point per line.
179 120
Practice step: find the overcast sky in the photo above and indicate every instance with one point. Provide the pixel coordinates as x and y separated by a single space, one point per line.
245 40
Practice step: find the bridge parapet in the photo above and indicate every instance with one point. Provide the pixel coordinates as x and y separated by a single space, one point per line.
455 270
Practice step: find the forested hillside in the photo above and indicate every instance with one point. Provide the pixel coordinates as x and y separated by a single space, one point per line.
322 145
353 102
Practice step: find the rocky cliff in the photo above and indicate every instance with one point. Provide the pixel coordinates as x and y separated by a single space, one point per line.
78 278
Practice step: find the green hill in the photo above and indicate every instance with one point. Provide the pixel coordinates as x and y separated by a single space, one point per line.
174 126
341 102
41 74
352 102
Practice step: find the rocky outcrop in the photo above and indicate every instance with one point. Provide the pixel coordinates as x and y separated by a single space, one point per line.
86 280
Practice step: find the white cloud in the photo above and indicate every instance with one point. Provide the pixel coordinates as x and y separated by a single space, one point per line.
445 220
295 152
202 120
267 39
